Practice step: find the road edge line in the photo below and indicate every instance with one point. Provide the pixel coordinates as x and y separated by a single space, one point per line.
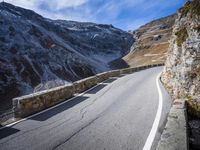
152 134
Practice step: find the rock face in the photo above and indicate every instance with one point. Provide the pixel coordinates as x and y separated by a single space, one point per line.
36 50
182 71
151 42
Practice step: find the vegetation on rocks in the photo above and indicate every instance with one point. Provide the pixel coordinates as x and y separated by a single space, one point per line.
193 106
181 36
193 6
185 9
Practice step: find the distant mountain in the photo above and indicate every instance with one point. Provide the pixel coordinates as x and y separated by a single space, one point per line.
35 50
151 43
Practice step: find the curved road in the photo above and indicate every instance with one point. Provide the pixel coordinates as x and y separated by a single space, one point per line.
117 114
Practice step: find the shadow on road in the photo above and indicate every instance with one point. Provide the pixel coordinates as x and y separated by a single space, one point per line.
110 80
68 104
7 131
101 86
52 112
96 89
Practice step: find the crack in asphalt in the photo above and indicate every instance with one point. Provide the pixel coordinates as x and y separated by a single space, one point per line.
81 111
74 134
83 115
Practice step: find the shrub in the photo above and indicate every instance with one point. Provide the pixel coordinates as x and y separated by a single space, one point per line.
185 9
182 35
193 107
193 5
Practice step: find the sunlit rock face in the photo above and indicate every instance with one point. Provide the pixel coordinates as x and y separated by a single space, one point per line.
182 71
151 42
38 51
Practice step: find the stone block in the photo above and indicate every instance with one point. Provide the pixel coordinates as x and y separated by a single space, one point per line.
114 73
126 71
102 77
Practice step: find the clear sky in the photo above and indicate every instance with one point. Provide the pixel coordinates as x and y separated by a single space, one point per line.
124 14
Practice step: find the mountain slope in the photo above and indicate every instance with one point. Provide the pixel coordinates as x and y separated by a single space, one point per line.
151 42
36 50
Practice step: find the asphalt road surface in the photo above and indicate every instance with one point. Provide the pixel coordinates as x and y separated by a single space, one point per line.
117 114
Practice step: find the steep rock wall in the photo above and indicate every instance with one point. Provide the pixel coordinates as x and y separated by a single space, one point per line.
182 72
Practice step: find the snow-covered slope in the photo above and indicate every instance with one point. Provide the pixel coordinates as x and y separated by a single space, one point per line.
35 50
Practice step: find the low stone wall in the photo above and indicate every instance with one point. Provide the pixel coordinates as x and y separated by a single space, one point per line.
30 104
174 136
33 103
84 84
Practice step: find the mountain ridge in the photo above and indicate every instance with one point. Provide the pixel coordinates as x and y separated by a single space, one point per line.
37 51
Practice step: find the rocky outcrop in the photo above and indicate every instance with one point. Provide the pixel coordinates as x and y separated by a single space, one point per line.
151 42
182 72
38 51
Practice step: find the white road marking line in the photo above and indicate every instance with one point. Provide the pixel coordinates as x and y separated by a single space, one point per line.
75 96
154 128
88 95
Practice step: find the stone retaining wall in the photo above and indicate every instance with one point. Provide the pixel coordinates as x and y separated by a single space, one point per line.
174 136
30 104
33 103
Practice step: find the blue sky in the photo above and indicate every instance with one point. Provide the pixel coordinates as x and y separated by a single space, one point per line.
124 14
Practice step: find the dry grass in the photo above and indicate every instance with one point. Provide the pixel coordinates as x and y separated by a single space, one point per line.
152 43
138 58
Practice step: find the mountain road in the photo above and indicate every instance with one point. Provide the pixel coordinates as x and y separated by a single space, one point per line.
122 113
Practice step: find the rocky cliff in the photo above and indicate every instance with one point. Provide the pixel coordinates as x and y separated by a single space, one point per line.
182 71
35 50
151 42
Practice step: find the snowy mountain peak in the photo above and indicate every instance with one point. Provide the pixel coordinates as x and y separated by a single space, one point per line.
35 50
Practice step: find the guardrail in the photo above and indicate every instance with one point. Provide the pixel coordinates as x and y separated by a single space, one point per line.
174 136
33 103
